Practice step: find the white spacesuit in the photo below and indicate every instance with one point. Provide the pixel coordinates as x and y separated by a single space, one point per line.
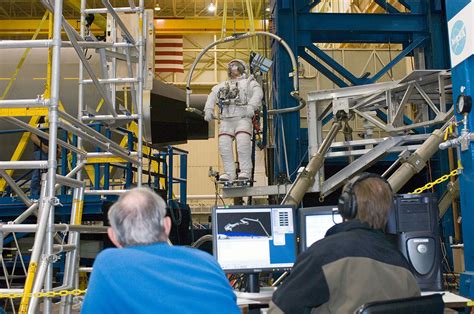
237 98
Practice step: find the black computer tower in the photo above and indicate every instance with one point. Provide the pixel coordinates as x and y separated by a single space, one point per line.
414 223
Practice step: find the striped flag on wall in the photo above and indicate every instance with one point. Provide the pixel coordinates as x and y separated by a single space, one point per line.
169 53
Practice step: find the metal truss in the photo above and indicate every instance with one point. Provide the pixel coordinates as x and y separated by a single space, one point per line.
414 26
122 70
383 106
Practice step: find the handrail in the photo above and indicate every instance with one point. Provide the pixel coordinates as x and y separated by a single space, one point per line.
235 37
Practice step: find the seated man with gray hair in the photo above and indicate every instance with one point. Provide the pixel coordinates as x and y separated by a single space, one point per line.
145 274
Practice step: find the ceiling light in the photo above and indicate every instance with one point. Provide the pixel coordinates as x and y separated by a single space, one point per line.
211 7
157 8
267 9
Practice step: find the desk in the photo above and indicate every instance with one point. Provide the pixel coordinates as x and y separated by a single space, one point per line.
264 296
253 302
450 299
244 299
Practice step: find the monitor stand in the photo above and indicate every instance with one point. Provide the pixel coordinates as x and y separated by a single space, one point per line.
253 283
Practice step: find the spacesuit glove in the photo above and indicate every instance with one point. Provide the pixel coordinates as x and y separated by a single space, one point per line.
208 116
250 112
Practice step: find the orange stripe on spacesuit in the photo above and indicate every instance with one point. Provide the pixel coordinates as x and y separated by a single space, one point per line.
242 132
226 134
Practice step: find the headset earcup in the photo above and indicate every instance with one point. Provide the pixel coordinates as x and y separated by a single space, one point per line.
344 205
353 208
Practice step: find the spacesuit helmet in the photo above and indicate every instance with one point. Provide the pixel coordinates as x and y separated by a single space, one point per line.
237 68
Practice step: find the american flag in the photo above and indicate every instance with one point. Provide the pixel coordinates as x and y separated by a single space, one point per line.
169 53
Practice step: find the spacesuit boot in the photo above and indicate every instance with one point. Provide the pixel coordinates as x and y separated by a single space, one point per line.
244 176
224 177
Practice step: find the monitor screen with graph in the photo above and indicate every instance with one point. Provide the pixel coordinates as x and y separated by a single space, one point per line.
254 238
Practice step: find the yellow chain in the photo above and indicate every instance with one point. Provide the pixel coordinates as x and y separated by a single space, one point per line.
50 294
441 179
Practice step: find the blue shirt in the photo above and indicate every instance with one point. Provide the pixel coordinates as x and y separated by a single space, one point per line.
158 278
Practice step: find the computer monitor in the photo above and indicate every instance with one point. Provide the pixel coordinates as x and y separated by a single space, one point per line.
251 239
314 222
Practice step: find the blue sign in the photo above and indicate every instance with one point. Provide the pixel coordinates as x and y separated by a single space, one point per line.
458 37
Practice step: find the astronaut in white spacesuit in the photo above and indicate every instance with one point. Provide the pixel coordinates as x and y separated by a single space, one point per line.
237 98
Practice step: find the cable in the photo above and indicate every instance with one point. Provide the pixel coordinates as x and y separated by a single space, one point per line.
149 170
430 175
299 164
253 157
446 264
222 200
176 220
202 240
218 195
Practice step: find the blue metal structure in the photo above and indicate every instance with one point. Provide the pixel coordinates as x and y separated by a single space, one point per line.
11 206
167 166
422 29
463 75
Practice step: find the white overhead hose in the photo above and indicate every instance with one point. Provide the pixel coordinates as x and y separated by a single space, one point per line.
293 73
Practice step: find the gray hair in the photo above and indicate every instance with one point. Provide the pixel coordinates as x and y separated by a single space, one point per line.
137 217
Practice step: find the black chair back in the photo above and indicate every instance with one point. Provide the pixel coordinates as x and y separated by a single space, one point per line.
429 304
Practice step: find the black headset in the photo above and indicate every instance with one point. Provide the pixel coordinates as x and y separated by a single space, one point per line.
347 203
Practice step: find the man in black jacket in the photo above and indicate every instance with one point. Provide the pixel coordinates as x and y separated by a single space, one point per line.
354 264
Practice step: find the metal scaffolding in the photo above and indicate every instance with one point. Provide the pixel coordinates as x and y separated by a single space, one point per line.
123 52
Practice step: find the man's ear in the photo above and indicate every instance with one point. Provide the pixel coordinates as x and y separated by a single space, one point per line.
167 226
113 237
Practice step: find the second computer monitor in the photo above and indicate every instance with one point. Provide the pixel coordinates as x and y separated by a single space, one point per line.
314 222
254 238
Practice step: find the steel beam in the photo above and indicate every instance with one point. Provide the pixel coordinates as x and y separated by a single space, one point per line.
22 103
57 227
336 66
106 10
415 44
386 6
39 43
320 67
340 23
232 192
33 164
104 192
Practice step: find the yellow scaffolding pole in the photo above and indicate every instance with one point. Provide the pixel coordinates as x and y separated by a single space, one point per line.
23 112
